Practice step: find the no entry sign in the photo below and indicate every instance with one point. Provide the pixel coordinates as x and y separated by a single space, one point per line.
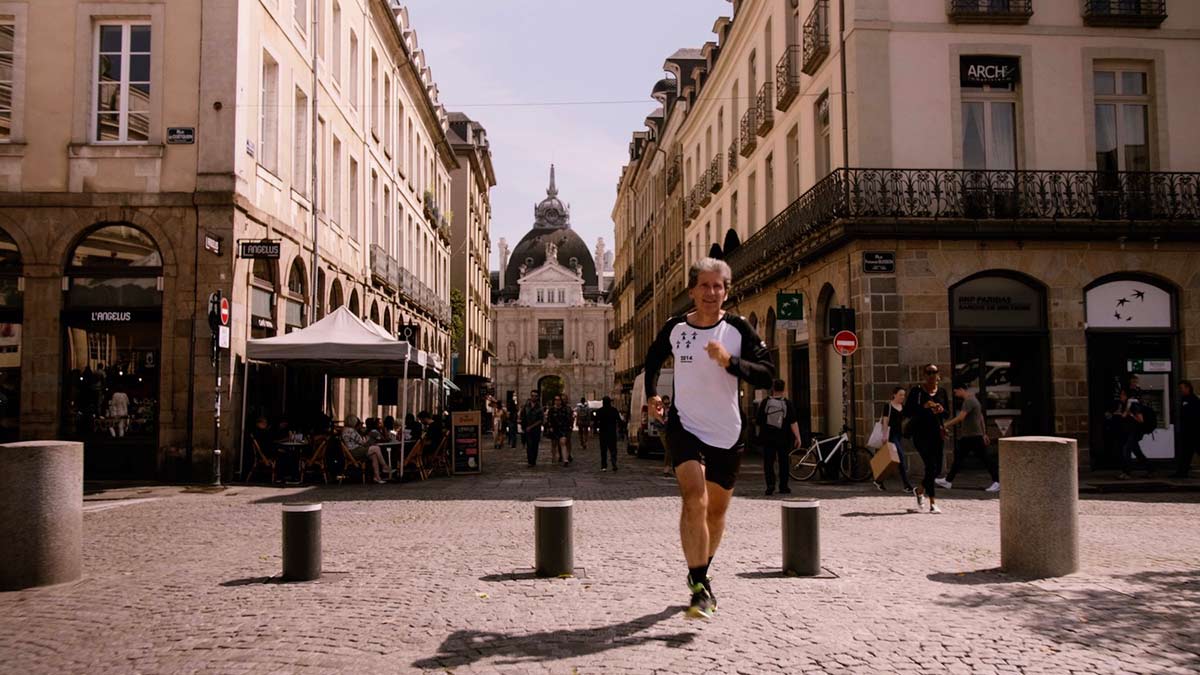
224 311
845 343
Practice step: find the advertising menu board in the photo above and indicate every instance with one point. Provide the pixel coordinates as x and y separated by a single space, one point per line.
467 446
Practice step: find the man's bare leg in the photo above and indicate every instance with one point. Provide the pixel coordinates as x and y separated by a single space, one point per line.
718 503
693 518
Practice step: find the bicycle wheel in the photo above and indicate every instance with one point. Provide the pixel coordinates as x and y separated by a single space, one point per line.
802 464
856 464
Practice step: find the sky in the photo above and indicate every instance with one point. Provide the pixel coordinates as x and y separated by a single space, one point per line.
556 81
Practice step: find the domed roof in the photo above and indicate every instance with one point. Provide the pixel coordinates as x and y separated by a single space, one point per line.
551 226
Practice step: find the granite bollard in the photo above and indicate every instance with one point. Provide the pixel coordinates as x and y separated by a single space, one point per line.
41 497
1039 506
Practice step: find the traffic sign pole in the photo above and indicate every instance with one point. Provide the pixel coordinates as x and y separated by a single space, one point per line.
218 320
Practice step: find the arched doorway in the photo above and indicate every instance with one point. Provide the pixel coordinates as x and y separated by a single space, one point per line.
550 386
387 321
374 316
830 362
999 347
354 305
1132 331
295 304
112 340
263 285
335 295
11 316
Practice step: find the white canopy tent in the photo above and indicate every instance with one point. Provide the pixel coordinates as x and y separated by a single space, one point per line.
341 345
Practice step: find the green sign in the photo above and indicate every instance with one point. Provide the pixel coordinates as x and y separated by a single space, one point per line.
789 306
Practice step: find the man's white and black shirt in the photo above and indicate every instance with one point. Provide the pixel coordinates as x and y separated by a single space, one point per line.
706 395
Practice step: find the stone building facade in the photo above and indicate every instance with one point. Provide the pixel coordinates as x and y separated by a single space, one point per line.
972 182
471 185
551 320
181 130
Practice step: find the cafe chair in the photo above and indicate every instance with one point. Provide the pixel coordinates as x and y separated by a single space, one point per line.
351 463
415 460
316 460
260 461
438 460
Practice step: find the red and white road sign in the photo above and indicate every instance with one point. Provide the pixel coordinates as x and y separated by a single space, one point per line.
845 343
224 311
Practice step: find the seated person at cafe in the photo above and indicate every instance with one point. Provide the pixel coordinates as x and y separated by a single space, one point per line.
389 427
355 440
431 428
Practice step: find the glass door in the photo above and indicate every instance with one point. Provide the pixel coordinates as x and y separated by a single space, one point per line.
1010 375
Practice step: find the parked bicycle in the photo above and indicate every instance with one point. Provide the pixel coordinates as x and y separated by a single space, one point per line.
853 463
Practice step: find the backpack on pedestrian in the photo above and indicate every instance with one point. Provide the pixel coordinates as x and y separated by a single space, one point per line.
775 412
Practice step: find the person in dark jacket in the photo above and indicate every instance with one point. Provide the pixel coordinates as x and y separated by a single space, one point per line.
606 421
1189 429
533 416
779 434
927 408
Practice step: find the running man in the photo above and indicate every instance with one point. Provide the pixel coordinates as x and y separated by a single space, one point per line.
712 351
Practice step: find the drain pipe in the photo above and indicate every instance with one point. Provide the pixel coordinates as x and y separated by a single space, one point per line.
845 108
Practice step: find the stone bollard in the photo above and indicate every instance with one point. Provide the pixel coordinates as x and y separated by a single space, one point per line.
301 542
1039 515
41 502
801 537
554 550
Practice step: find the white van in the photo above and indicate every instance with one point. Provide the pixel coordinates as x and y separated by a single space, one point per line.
643 441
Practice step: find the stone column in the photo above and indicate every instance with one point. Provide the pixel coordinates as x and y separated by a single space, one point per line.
41 497
1039 519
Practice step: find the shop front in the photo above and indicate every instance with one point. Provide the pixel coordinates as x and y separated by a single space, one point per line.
11 317
112 347
999 346
1132 340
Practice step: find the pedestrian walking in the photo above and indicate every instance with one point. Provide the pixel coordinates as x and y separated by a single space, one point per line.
1189 430
778 434
513 421
558 429
583 420
712 351
926 409
973 440
533 416
1136 420
893 426
606 421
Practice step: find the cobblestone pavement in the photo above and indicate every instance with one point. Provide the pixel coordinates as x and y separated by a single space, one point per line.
434 576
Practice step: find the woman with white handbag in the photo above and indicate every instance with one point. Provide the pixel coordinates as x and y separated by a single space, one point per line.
891 422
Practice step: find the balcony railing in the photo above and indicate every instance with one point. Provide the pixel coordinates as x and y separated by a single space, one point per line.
693 205
1129 13
816 37
674 170
991 11
748 129
380 267
715 182
787 77
1022 204
733 155
703 192
764 110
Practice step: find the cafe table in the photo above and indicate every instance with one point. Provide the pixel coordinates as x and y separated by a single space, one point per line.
387 448
293 450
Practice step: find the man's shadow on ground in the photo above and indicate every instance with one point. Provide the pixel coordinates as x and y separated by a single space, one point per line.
464 647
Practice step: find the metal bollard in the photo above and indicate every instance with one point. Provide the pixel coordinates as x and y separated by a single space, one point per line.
801 537
554 550
301 542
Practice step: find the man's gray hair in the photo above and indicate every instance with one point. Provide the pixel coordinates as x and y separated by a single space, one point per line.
709 265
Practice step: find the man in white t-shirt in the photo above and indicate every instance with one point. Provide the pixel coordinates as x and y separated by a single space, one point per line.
712 351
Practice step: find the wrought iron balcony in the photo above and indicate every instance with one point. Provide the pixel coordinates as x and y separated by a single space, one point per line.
715 182
787 77
693 206
733 155
816 37
674 171
969 204
380 266
991 11
764 110
1128 13
748 129
703 192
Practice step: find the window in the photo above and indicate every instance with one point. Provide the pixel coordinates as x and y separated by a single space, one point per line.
335 183
793 164
752 74
322 168
541 295
1122 119
300 150
769 186
374 102
354 199
751 204
400 137
386 234
824 162
562 296
353 70
989 122
300 8
336 60
320 20
294 305
550 338
7 56
733 212
268 116
262 299
122 93
387 115
375 238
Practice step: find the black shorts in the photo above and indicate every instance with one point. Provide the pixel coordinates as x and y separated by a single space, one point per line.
721 465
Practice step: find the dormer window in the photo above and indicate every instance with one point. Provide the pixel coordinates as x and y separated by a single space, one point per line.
541 296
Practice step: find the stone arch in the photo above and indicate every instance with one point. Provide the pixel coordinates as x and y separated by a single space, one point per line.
297 282
374 315
769 328
354 304
335 294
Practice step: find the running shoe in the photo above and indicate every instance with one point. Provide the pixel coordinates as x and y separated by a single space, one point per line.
703 605
933 508
878 485
943 483
994 487
604 468
920 501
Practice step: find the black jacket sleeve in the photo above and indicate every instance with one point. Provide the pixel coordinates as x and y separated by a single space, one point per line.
659 352
754 365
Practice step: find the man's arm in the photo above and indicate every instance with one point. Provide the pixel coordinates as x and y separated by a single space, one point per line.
657 355
754 365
